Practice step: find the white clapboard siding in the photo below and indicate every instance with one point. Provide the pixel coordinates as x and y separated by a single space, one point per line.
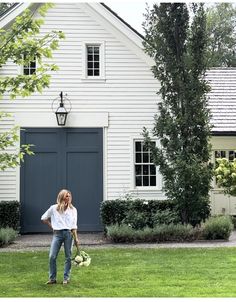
128 93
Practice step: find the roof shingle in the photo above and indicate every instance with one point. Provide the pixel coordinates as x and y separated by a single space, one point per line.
222 99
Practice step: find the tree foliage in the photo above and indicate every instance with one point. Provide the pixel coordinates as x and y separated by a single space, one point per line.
221 32
225 173
182 122
21 44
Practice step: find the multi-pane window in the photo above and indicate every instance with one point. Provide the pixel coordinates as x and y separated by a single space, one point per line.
93 60
229 154
30 68
145 170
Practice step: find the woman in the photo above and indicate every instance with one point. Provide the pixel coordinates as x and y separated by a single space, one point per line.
62 219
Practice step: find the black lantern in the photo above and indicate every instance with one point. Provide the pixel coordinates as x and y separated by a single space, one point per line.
61 111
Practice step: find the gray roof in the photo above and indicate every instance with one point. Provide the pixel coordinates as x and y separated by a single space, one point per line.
222 99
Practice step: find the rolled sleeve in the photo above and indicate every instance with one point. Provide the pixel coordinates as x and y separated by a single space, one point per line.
74 226
47 214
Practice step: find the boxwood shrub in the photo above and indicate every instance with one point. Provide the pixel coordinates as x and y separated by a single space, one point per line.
137 213
217 227
7 236
10 214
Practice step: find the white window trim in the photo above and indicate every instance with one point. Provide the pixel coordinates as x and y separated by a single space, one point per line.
101 77
141 189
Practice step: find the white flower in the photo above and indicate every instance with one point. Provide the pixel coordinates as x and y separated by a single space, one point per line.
87 262
81 259
78 259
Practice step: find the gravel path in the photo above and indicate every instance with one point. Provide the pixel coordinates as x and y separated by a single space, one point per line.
39 242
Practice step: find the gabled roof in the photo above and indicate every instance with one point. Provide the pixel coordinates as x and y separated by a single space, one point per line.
8 10
101 13
222 101
222 98
11 13
126 23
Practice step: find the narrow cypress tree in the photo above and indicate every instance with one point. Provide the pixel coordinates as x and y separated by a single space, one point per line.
181 124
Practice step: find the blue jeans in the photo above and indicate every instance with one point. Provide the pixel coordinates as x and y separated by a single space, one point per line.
59 237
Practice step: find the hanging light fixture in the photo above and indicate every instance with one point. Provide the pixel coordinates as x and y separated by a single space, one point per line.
61 107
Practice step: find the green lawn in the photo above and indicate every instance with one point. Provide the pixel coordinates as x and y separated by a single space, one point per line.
121 272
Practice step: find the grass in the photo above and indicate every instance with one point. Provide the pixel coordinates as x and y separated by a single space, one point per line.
121 272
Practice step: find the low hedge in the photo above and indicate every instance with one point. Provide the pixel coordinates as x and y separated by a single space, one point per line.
10 214
216 227
138 212
160 233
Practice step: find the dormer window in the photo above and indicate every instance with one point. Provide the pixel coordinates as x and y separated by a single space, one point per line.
30 68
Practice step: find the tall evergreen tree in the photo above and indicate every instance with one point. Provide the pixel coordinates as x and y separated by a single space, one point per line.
182 122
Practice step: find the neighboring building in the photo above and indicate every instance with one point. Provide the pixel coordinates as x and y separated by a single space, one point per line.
222 104
99 154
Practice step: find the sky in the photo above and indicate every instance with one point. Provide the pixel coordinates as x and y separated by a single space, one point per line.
131 11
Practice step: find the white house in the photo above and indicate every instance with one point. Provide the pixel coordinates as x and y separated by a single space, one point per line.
98 154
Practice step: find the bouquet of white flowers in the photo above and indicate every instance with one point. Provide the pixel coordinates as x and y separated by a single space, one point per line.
81 259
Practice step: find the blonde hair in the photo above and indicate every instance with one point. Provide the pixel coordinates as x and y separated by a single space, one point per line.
61 200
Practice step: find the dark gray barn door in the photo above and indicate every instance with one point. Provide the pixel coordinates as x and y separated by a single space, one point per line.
64 158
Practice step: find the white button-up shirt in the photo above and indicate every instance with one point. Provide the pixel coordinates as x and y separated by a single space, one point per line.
61 220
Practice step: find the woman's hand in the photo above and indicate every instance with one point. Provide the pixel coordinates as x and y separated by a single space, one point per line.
77 243
75 236
48 222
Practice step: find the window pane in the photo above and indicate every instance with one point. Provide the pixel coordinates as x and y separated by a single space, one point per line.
145 149
90 64
96 72
217 154
145 157
90 49
137 146
231 155
152 170
26 71
138 180
90 58
138 158
138 170
96 65
145 181
151 158
153 181
33 64
96 58
222 153
96 50
145 170
90 72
